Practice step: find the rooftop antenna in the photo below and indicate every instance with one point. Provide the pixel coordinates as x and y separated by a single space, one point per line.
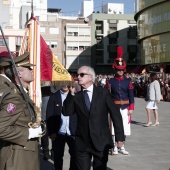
32 10
102 6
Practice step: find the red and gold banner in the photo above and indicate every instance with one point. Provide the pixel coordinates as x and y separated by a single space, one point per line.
51 68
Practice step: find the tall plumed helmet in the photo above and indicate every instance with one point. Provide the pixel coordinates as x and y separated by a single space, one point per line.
119 63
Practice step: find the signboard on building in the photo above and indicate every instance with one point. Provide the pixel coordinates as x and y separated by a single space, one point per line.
156 49
154 20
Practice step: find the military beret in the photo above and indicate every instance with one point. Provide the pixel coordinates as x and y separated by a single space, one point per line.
4 59
22 60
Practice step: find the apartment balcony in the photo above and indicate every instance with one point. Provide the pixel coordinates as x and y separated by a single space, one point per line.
111 31
110 60
78 52
132 48
98 32
99 47
99 60
78 38
132 34
112 48
114 34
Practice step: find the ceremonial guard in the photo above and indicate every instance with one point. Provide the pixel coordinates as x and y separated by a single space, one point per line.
18 142
122 92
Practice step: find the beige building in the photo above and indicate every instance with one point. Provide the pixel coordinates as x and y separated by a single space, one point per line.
77 44
13 38
69 39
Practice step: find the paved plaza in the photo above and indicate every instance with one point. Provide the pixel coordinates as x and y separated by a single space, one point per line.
149 147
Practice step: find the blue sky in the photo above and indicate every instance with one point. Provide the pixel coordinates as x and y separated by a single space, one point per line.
72 7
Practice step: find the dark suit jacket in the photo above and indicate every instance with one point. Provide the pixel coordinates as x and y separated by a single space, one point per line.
94 127
53 115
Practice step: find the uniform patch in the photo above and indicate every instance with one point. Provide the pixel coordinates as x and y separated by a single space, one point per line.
11 108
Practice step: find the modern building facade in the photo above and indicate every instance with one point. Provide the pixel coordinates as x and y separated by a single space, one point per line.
108 32
77 44
51 31
69 39
153 21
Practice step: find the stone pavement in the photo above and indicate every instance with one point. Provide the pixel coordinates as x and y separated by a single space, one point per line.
149 147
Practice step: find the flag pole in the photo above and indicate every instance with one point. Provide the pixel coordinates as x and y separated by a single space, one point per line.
32 10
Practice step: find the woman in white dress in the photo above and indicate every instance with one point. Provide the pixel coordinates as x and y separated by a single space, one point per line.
154 97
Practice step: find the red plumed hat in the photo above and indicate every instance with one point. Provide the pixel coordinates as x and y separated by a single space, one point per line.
119 63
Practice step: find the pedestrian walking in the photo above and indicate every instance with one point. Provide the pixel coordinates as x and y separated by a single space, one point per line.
154 97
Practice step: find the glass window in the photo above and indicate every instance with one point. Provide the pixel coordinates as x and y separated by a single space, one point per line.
84 60
53 44
54 30
42 29
2 43
72 60
84 31
72 31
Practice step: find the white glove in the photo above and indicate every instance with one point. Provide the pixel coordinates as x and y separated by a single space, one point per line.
34 132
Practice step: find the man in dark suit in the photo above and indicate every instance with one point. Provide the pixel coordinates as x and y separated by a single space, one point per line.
92 105
61 129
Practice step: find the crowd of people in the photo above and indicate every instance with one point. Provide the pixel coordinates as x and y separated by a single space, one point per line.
140 82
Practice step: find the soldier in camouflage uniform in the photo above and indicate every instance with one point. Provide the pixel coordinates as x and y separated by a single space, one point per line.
18 142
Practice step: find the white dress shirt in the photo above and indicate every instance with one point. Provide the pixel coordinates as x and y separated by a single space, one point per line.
64 127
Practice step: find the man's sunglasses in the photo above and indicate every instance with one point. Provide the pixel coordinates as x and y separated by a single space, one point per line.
82 74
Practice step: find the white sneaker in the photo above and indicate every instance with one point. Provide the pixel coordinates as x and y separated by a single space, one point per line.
123 151
115 151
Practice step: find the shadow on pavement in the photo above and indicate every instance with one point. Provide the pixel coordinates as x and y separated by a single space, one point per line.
137 123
